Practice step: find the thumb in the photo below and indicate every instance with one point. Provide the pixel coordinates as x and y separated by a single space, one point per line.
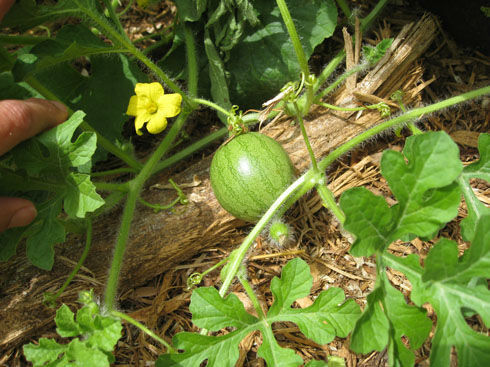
16 212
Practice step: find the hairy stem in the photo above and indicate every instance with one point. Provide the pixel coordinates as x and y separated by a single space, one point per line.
86 250
255 302
305 138
135 187
213 105
293 35
345 8
233 266
143 328
192 69
402 119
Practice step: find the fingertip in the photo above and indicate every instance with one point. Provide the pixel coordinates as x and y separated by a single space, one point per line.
63 110
22 119
23 216
16 212
50 112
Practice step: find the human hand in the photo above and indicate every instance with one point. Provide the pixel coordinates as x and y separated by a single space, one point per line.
4 7
20 120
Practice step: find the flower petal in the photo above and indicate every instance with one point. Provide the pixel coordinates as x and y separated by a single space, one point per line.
157 123
150 90
132 106
139 122
169 104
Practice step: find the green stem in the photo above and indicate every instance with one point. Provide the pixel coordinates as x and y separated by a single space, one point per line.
402 119
332 65
192 69
345 8
293 35
196 278
414 129
158 72
111 186
112 15
143 328
135 186
305 138
328 70
125 10
22 40
340 80
311 181
212 105
237 260
157 207
367 21
120 248
251 294
111 172
111 148
86 250
329 201
164 40
191 149
122 39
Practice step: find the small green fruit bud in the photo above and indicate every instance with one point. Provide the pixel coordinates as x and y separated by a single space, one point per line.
279 233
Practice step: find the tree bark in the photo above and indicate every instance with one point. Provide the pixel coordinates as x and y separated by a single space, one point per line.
160 240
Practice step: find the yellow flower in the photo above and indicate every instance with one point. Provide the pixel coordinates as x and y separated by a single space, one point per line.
152 105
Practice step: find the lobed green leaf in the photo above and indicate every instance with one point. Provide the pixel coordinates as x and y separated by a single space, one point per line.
479 169
424 187
47 170
456 289
329 316
97 337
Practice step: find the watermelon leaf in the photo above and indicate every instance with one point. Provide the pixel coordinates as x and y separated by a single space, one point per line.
330 315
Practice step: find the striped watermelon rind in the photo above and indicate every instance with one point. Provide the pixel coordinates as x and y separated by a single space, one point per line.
249 173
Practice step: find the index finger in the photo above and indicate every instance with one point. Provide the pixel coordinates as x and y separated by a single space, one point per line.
20 120
4 7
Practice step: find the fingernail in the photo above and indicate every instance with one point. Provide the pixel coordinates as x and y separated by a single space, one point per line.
60 106
23 217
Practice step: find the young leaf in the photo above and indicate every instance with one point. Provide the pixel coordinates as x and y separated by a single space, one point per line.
374 54
93 348
424 187
330 315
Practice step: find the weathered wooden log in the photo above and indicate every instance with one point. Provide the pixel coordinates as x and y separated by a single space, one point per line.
158 241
